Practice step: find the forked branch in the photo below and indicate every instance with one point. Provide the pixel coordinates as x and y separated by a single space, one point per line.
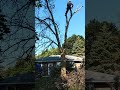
67 24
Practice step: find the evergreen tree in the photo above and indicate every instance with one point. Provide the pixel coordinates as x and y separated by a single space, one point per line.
70 42
104 53
78 47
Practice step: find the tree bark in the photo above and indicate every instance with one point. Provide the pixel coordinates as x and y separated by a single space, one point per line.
63 51
63 65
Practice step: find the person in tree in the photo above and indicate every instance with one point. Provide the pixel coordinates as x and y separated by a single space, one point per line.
69 7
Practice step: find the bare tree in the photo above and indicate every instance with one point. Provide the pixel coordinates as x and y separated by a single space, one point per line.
50 34
19 43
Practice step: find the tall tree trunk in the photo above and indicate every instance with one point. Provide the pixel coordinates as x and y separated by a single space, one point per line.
63 65
63 51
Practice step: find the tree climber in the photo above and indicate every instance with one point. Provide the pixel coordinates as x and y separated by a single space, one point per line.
69 7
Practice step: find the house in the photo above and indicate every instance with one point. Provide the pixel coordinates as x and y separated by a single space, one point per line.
47 62
24 81
93 80
100 81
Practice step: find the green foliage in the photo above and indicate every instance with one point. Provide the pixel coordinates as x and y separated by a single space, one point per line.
70 42
102 47
75 45
22 66
53 51
78 47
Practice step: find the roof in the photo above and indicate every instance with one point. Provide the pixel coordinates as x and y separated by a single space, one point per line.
57 58
26 78
29 78
92 76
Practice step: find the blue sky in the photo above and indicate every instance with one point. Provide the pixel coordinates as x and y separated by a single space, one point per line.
77 24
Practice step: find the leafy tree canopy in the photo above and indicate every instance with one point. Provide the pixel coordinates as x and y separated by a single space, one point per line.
70 42
75 46
102 47
22 66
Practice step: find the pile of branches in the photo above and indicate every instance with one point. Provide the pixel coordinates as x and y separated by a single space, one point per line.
75 80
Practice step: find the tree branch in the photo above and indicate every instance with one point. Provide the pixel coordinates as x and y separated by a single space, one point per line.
55 27
67 25
18 43
43 21
50 40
